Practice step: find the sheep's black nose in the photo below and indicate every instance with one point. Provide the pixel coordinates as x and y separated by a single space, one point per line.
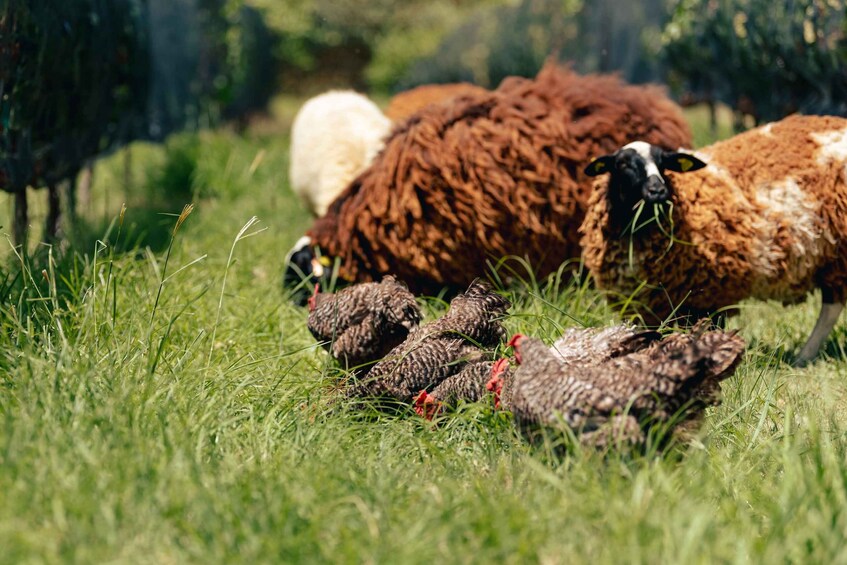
655 191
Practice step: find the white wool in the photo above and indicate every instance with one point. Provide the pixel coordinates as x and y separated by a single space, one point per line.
786 200
334 137
833 148
833 145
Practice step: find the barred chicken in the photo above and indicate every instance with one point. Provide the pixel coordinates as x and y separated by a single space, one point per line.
464 337
580 347
360 324
670 381
608 386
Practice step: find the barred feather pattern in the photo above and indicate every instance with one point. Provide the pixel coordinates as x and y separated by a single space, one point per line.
591 346
362 323
442 348
579 347
674 378
468 384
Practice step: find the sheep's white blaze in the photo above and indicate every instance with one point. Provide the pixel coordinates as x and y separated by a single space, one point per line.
642 148
785 204
301 243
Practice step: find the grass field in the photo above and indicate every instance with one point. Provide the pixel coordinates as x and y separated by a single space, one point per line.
161 403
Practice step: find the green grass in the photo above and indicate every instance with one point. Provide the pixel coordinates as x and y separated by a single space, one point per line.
128 434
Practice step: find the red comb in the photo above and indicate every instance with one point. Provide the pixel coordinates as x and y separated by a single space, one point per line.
514 340
495 383
312 300
426 405
499 366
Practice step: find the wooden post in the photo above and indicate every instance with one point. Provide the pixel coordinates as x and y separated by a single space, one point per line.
54 212
69 189
21 219
83 187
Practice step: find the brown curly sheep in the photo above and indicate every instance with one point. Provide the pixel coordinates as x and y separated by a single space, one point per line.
498 174
404 104
760 215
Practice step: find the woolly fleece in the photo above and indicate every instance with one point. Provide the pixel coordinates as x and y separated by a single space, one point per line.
495 175
767 218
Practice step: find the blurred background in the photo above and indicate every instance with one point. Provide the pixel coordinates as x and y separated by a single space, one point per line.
81 79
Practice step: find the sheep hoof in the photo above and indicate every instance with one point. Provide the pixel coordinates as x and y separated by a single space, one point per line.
801 362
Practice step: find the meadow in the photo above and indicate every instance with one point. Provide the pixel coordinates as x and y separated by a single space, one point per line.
162 402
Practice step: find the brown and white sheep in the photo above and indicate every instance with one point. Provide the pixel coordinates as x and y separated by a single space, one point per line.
334 137
404 104
492 176
760 215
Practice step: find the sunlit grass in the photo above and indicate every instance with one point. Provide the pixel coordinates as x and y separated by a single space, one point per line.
122 439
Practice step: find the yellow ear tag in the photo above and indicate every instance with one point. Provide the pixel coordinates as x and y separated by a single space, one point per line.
325 261
599 166
685 164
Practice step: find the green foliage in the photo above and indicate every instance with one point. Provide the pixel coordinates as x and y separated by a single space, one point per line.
767 58
80 78
212 59
380 37
73 80
515 39
498 42
123 440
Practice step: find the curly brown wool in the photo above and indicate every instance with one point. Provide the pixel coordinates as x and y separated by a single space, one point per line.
492 175
404 104
766 218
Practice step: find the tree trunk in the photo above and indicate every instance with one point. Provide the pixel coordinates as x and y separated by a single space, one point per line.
713 118
83 187
54 213
127 169
70 187
21 219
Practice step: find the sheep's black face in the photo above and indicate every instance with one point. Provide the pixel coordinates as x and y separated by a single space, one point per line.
303 269
637 173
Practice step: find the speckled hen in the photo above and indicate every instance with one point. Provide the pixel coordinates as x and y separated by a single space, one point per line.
465 335
362 323
578 347
607 385
667 382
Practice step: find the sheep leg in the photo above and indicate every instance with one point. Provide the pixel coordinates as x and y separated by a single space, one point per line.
830 310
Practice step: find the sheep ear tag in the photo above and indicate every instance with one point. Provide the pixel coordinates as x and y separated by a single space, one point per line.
682 163
325 261
598 166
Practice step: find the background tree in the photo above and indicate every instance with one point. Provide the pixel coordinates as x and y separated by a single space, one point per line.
366 44
765 58
79 78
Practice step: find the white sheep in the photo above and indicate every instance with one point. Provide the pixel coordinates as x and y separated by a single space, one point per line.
761 215
334 137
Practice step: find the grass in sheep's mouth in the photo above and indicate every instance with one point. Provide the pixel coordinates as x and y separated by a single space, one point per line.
250 453
662 213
